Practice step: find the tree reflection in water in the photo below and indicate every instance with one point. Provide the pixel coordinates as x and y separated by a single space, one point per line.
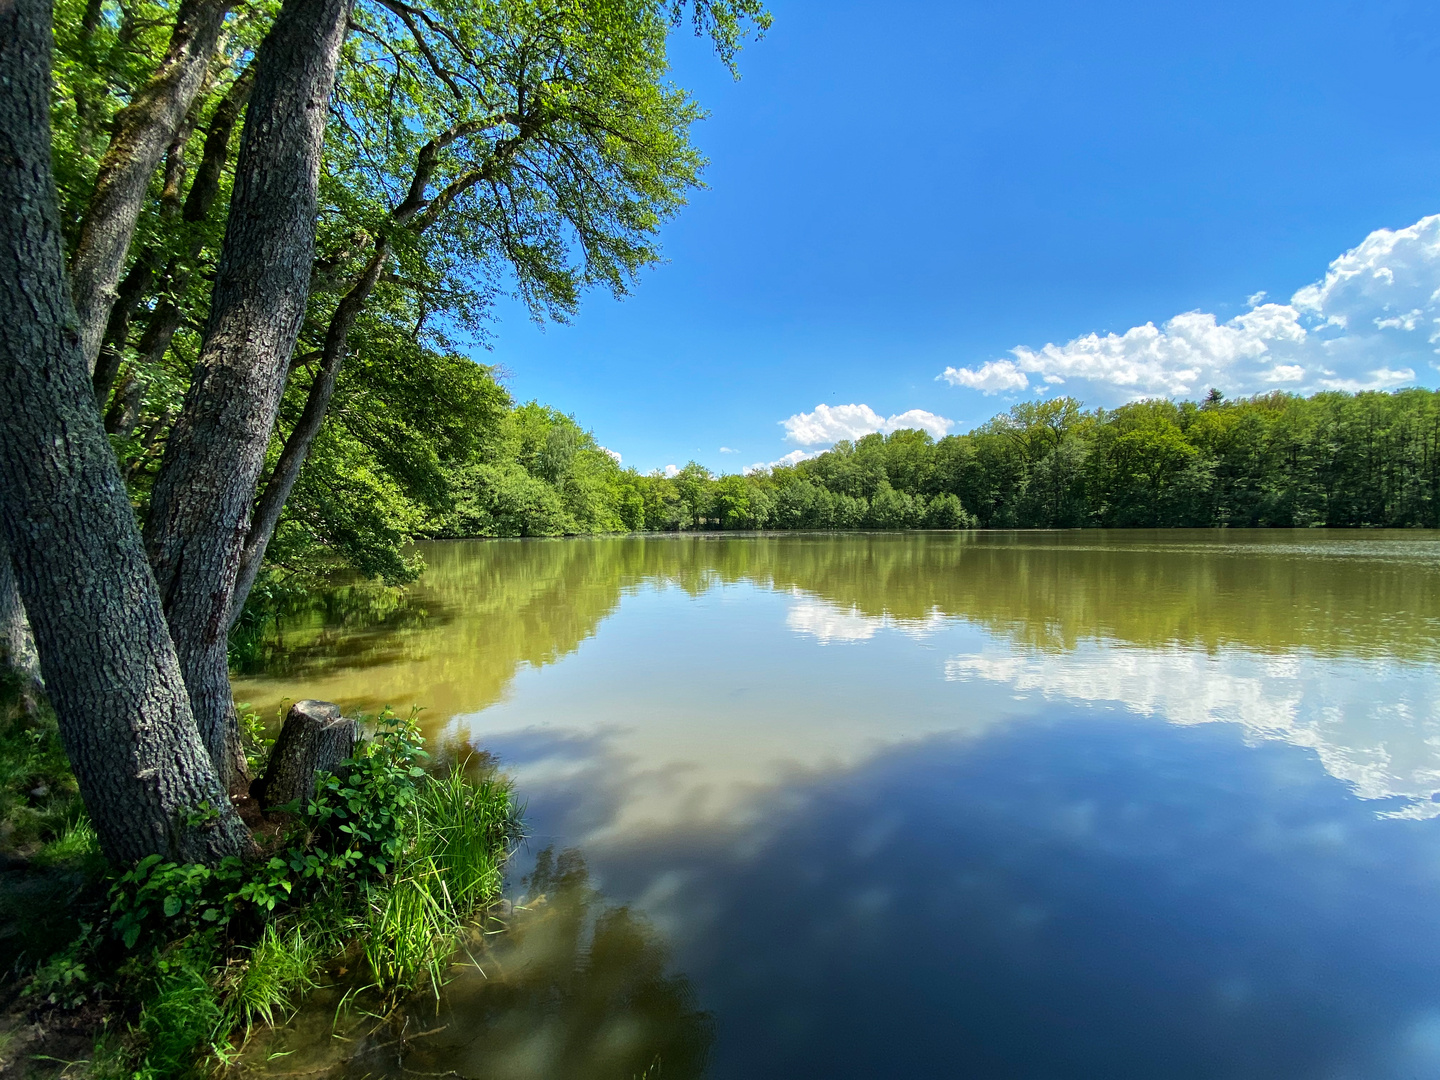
574 988
578 990
486 608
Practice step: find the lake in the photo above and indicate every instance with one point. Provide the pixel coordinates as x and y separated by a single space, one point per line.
1121 805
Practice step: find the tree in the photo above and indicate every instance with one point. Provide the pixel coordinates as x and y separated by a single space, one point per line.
142 132
201 505
603 172
554 146
534 138
110 667
734 503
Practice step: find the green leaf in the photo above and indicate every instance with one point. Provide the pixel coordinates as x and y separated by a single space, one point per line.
172 906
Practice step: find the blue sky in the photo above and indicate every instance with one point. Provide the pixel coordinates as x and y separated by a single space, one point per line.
902 190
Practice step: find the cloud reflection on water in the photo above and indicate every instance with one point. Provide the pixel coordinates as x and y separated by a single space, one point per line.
827 622
1372 723
1083 895
873 861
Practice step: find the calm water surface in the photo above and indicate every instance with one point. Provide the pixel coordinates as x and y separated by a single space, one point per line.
1032 805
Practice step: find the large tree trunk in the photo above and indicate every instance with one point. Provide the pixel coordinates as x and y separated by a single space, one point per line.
109 665
416 212
200 507
142 132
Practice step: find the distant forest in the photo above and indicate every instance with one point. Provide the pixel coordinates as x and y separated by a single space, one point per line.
498 469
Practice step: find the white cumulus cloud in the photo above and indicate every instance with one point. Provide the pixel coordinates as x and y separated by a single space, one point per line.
1370 323
672 470
831 423
992 377
1283 373
613 453
1380 379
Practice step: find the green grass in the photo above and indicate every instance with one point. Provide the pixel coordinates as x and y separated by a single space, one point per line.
464 832
76 843
181 1012
280 967
463 826
39 798
183 994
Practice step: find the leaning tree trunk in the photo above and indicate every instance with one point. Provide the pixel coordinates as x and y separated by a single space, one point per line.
415 213
108 661
297 445
315 739
164 318
200 507
146 264
143 131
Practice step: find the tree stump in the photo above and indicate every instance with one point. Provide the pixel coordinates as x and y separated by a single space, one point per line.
315 739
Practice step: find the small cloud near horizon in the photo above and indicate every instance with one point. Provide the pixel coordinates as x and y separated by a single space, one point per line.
728 450
792 458
613 453
828 424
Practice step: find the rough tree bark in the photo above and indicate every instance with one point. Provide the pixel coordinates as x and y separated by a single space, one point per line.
110 667
124 413
136 286
142 132
315 739
200 506
141 278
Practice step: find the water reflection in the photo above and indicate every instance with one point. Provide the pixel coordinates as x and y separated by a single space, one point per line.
1082 896
573 988
486 607
580 990
1372 723
996 805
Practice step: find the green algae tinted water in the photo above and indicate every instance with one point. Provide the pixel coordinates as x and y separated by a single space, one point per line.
1050 805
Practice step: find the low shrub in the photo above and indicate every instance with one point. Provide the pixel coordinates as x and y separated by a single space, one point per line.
386 858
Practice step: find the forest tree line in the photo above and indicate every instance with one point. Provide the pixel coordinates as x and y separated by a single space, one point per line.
1281 460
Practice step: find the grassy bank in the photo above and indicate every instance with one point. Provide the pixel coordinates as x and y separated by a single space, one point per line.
163 970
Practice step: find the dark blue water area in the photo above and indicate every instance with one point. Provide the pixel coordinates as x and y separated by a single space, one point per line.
1083 895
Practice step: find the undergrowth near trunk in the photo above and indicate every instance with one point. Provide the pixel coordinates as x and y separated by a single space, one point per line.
166 968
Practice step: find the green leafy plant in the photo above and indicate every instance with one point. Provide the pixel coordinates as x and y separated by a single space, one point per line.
255 741
63 980
385 857
358 816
